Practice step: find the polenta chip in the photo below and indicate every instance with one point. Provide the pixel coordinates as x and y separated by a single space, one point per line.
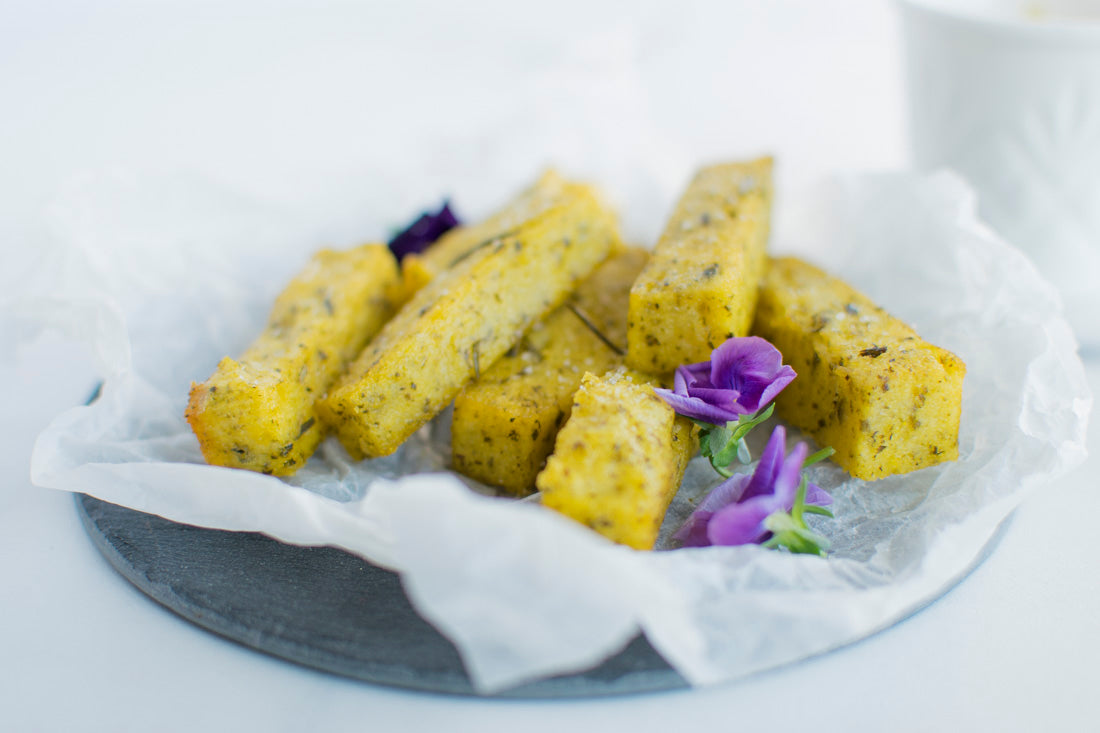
886 400
464 320
503 425
700 286
619 459
257 412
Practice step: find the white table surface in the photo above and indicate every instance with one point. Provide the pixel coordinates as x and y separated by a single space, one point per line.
249 91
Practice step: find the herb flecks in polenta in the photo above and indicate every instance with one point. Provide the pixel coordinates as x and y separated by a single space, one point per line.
869 386
466 318
700 285
619 459
503 425
258 411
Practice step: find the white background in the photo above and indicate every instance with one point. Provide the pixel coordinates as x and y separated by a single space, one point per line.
262 96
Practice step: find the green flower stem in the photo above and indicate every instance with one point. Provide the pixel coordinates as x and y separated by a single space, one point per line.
819 456
723 444
789 530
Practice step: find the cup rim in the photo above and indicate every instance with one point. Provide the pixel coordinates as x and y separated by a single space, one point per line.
1038 30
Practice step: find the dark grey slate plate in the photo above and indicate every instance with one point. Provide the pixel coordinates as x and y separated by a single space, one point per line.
320 607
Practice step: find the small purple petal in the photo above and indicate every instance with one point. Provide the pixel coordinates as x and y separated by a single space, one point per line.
695 408
748 354
693 533
427 228
699 370
790 476
692 376
817 496
771 460
723 399
740 524
728 492
680 381
751 366
772 386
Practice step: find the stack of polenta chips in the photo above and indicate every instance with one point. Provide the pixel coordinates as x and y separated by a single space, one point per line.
548 335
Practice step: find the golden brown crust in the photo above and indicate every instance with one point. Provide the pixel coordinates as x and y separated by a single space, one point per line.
464 320
700 286
886 400
619 459
503 425
257 412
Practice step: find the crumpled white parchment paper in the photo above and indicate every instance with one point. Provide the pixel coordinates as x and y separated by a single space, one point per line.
162 276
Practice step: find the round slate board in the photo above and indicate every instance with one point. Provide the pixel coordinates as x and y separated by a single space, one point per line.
320 607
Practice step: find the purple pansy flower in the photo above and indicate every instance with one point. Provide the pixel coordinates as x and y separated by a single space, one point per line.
423 232
735 512
742 376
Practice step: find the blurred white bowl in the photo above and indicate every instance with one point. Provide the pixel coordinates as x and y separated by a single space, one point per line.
1007 93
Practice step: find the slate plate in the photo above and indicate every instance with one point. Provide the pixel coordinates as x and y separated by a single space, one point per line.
328 609
320 607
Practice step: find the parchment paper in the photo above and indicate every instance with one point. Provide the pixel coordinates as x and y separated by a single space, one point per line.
163 275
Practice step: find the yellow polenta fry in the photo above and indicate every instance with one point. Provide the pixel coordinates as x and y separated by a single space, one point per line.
619 459
257 412
887 401
503 425
700 286
464 320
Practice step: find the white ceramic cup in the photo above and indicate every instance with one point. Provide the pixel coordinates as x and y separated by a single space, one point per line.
1007 93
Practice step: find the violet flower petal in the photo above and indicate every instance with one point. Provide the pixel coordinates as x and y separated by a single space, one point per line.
771 460
790 476
742 523
690 377
722 399
427 228
753 367
817 496
748 354
698 372
728 492
695 408
761 391
693 533
680 381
